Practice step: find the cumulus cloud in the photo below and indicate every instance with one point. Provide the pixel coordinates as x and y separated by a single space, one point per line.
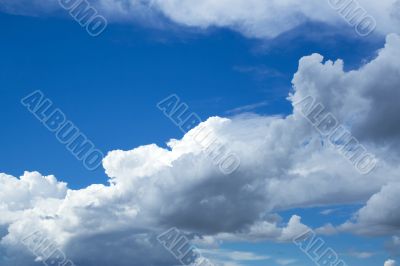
390 263
254 18
29 191
285 164
380 215
370 121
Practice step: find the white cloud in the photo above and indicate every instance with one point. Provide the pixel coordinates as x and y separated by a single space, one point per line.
254 18
246 108
29 191
327 229
284 165
361 254
229 257
380 215
285 261
328 211
390 263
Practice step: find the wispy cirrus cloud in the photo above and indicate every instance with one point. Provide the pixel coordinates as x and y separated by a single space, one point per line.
361 254
285 262
247 108
229 257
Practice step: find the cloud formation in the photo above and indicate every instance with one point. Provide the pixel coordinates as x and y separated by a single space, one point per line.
253 18
380 215
390 263
285 164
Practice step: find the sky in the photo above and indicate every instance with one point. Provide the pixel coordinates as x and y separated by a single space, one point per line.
244 70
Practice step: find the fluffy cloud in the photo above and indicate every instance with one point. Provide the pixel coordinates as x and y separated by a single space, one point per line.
380 215
255 18
390 263
29 191
285 164
362 98
369 100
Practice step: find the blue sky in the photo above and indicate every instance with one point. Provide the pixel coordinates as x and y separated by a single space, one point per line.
109 87
114 82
